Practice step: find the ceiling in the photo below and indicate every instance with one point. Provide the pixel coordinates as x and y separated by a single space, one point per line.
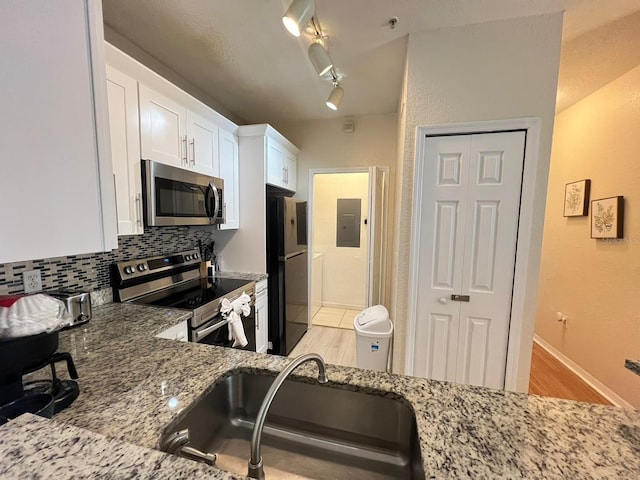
239 54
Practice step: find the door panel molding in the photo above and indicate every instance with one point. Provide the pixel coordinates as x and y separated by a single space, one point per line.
444 241
529 241
483 259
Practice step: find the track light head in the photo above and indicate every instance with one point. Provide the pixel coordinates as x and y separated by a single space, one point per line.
298 15
335 97
320 58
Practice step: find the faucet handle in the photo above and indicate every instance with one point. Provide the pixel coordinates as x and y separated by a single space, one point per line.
178 444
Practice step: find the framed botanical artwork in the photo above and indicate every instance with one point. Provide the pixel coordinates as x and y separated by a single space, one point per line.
607 215
576 198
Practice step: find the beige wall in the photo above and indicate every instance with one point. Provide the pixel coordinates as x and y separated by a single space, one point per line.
344 268
496 70
323 144
595 282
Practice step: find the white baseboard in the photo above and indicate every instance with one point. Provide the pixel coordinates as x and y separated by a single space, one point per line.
585 376
342 305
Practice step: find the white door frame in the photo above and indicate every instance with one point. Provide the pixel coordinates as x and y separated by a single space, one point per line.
527 262
312 173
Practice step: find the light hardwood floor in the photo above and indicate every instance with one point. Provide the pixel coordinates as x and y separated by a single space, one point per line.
551 378
335 345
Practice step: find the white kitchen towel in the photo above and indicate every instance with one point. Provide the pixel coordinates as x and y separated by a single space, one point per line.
232 311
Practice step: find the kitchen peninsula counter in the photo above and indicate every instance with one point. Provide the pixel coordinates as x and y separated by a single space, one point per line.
133 385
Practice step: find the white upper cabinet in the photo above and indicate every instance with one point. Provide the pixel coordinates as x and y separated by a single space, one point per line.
163 128
229 172
173 134
275 163
291 170
202 138
281 165
124 129
56 182
174 129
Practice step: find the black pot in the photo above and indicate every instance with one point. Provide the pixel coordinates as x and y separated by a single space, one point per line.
24 353
39 404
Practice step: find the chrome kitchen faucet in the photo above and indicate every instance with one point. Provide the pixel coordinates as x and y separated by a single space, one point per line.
255 462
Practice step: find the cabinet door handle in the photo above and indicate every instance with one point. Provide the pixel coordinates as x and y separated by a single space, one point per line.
283 176
193 151
185 160
257 319
139 209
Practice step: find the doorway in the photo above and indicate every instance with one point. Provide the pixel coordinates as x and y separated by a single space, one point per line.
514 369
347 228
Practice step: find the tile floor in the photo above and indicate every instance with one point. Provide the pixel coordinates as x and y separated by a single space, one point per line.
335 317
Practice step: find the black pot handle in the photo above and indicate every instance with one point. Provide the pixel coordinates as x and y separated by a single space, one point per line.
59 357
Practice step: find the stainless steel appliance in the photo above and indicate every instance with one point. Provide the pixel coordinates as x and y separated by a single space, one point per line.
175 281
287 269
175 196
78 304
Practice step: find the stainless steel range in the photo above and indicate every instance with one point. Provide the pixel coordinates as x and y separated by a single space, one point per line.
175 281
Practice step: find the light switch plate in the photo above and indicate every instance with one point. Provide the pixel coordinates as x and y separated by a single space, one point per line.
32 281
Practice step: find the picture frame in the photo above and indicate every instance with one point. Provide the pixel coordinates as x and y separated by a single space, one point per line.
576 198
607 215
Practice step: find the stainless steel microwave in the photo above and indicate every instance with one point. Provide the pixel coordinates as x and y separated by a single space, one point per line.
175 196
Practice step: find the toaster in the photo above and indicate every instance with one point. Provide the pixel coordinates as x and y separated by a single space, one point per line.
78 304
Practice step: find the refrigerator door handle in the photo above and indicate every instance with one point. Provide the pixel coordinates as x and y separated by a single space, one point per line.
291 255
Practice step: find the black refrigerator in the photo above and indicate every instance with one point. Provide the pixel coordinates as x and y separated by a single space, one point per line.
287 269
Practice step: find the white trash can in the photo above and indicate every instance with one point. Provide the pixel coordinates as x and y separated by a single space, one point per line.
373 335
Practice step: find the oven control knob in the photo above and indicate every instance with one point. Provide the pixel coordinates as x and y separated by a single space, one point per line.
128 270
187 258
142 267
195 256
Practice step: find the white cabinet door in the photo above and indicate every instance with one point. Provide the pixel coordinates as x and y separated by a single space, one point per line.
290 171
281 166
124 129
178 332
53 131
163 125
202 137
262 318
275 164
229 172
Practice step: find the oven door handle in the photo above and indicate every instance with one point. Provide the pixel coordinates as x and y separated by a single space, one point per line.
199 334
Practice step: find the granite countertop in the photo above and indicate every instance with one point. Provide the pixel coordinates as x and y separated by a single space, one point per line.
256 277
127 376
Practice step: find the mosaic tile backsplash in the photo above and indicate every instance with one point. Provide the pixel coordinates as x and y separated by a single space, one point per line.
91 271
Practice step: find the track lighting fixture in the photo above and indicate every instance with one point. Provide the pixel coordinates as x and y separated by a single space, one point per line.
320 58
335 97
298 15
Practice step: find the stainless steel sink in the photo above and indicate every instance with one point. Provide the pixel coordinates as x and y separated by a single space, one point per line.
311 431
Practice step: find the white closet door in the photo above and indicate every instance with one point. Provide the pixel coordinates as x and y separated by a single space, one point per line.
469 219
495 179
444 205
